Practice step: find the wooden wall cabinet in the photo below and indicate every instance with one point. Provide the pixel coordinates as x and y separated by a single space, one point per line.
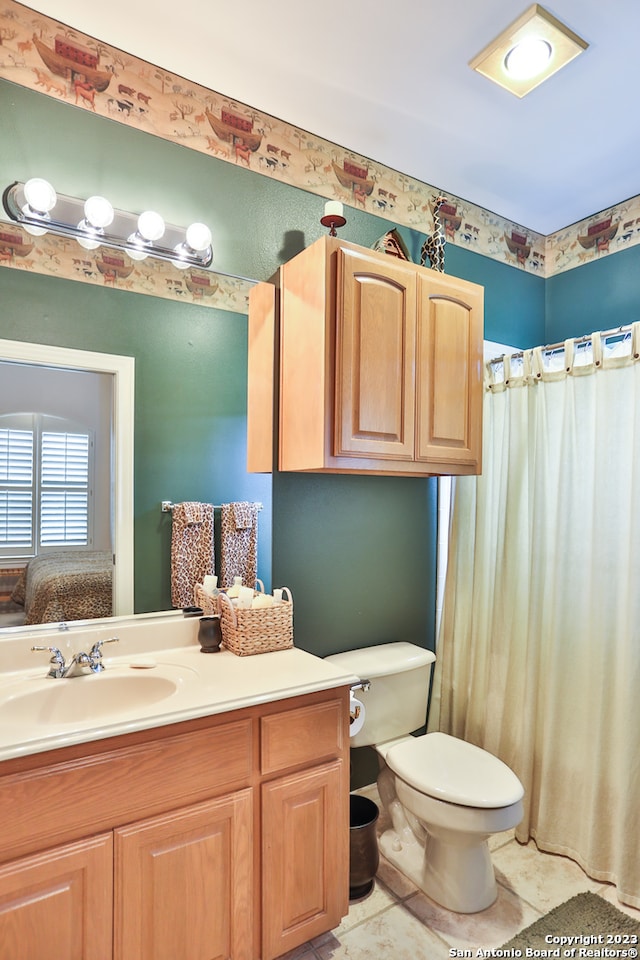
379 366
221 837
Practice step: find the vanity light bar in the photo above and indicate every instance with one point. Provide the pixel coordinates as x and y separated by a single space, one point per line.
95 223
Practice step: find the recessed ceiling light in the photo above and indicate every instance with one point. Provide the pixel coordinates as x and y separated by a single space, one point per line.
528 58
533 48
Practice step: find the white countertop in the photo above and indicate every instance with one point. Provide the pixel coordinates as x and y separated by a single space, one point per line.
205 684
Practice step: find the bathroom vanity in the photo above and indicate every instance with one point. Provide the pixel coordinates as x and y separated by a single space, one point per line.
210 822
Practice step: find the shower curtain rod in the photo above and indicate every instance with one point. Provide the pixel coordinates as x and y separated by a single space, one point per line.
550 347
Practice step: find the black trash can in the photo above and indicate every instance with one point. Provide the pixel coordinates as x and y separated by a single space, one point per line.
363 846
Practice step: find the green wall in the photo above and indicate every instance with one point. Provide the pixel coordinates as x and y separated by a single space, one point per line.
600 295
190 401
357 552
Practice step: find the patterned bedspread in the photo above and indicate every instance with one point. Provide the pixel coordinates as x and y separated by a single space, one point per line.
66 586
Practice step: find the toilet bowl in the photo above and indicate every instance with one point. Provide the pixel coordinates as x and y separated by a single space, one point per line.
445 797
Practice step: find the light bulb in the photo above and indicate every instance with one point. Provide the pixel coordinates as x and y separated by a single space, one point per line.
136 254
180 262
527 58
34 231
181 252
136 249
198 236
87 243
150 225
98 212
40 195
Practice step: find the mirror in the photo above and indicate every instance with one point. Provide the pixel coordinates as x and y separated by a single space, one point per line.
120 371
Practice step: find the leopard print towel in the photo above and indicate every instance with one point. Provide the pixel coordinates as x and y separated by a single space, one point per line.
191 549
239 543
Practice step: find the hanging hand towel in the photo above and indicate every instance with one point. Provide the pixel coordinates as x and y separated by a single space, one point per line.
191 549
239 543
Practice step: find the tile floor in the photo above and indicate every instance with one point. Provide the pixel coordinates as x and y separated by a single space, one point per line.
397 922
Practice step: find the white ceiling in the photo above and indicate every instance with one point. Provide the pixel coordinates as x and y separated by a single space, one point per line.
391 82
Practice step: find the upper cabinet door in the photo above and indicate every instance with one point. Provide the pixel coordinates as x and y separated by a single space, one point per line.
261 376
375 351
449 371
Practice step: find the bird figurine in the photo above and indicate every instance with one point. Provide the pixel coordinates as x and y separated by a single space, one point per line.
433 246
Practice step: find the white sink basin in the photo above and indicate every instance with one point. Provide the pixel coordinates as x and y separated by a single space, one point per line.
91 697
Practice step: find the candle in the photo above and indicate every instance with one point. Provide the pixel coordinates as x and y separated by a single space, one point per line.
333 208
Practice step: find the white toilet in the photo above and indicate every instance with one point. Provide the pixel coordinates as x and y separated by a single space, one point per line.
445 797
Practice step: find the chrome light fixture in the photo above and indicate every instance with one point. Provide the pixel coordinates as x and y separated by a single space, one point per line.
531 49
94 223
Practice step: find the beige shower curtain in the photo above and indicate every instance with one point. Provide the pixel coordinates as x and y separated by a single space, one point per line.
539 646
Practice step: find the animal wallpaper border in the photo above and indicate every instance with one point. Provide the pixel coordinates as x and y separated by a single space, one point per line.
45 55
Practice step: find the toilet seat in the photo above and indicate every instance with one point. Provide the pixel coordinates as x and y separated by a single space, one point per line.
455 771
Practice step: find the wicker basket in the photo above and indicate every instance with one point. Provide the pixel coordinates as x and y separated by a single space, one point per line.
261 630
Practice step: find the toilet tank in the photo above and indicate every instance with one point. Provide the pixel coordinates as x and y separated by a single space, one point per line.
396 703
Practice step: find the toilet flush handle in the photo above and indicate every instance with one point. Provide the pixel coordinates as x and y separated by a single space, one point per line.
362 685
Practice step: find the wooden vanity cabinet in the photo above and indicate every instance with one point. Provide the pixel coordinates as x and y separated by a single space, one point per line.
304 822
57 905
197 862
226 836
380 365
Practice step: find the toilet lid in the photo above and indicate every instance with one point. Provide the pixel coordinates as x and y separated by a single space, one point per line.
453 770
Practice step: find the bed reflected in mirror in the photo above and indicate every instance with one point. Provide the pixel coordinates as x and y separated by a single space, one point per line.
65 585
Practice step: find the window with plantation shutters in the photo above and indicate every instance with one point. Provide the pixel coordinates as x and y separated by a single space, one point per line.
45 485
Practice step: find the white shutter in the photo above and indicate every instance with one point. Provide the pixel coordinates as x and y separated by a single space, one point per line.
16 494
64 489
16 457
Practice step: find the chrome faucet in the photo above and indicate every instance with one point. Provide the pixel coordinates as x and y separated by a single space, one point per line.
59 669
57 664
94 658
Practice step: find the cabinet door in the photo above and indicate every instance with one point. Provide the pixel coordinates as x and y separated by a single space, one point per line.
449 372
375 351
184 883
58 905
260 378
305 869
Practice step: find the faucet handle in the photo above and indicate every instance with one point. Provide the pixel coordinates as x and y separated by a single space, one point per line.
57 654
96 649
57 660
95 656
